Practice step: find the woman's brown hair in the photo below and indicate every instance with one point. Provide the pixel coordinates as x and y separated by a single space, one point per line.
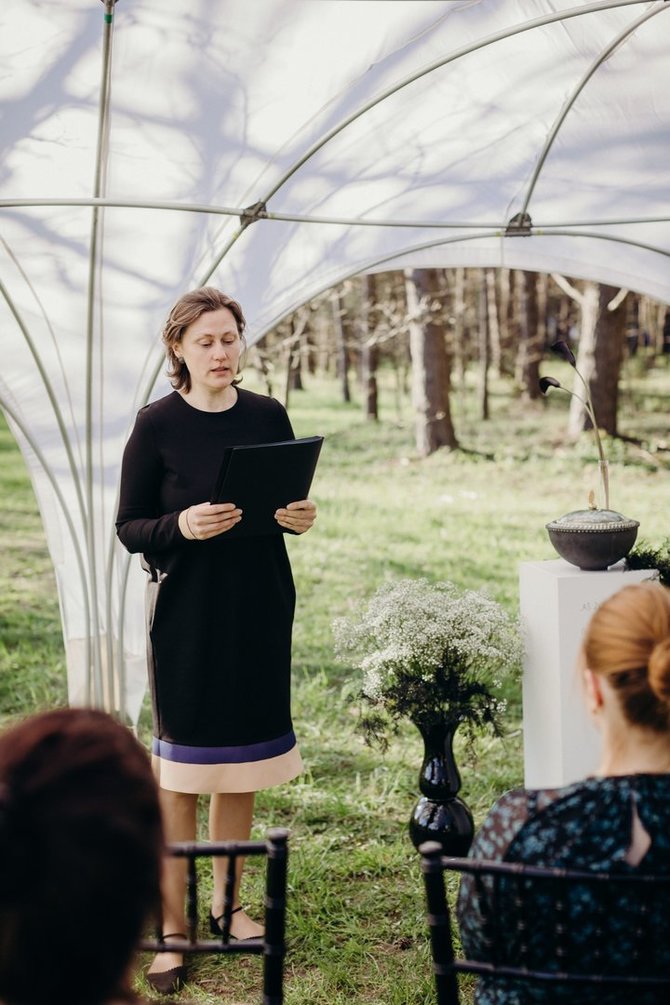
80 852
628 642
188 309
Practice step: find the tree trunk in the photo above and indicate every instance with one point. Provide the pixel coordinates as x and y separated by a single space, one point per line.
290 351
310 353
484 350
370 356
661 329
299 324
430 366
529 352
608 357
295 356
542 289
506 321
588 317
341 343
493 324
563 321
265 367
458 342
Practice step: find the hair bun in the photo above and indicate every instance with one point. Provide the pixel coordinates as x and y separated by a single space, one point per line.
659 669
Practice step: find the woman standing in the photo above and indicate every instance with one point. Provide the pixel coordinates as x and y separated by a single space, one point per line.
220 608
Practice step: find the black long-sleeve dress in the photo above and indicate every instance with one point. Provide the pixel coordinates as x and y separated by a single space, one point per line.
219 612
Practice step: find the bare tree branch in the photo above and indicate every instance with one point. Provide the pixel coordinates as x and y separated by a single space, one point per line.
567 287
618 299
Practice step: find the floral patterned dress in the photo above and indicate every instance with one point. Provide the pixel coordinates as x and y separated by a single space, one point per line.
582 826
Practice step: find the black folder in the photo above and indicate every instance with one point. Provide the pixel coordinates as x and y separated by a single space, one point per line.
263 478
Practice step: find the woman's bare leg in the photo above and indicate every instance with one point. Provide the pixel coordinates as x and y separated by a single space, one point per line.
179 821
230 817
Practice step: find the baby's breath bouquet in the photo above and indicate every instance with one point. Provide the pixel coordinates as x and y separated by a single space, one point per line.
431 653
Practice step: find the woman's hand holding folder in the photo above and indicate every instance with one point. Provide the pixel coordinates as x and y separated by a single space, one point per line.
297 516
205 520
199 523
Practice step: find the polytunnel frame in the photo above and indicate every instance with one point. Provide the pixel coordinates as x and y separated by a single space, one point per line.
520 225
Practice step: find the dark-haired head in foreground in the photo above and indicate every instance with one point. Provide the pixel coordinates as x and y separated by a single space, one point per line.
80 847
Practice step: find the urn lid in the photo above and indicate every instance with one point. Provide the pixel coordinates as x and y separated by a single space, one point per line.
592 519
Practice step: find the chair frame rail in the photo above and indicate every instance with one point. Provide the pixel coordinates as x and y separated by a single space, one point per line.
272 945
447 966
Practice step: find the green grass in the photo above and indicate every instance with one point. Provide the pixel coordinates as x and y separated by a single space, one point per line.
32 664
356 914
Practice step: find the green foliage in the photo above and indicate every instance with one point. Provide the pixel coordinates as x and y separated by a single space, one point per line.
431 653
646 556
32 665
356 925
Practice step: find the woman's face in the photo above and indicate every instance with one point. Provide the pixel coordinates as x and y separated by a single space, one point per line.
211 347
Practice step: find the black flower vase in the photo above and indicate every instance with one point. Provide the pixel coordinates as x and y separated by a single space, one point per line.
439 814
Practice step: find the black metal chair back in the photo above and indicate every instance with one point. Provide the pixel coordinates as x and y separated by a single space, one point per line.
608 932
272 945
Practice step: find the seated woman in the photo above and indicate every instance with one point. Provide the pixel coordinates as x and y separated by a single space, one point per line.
80 853
617 819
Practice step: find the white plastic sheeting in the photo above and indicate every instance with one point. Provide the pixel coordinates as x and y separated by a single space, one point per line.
367 135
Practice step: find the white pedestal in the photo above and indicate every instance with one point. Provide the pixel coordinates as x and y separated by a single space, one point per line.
556 600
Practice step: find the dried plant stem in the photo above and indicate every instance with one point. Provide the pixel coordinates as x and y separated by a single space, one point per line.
604 470
602 460
605 478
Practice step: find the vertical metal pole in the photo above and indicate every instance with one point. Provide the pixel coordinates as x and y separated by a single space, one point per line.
192 895
102 151
439 923
228 895
275 917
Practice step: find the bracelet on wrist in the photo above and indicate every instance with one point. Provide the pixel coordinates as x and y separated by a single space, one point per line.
188 523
